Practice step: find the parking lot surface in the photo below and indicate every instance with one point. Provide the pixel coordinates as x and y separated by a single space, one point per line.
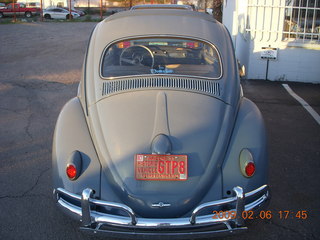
40 67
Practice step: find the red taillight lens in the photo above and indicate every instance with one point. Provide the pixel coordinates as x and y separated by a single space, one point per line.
247 165
250 169
71 172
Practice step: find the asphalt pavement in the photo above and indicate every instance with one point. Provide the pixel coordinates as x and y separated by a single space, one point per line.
40 67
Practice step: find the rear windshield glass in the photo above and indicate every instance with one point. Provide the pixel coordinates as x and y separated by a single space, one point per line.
171 56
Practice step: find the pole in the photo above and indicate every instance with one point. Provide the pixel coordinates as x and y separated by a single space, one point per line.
70 15
41 11
14 11
267 69
100 9
205 6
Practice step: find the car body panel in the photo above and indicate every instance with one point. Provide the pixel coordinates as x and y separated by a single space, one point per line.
249 132
136 22
137 118
71 133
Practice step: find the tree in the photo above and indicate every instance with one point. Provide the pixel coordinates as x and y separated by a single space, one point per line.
217 9
216 5
8 1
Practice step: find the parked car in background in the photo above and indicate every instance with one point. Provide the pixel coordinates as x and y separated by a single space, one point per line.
33 4
81 13
18 9
58 13
209 11
2 5
160 141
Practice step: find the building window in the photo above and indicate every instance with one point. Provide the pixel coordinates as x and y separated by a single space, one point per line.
302 21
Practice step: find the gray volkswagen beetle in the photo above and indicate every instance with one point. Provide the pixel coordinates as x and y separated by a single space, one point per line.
160 141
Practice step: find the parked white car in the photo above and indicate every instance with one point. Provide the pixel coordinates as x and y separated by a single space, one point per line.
58 13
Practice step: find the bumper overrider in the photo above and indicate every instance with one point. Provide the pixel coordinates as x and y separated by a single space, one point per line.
195 226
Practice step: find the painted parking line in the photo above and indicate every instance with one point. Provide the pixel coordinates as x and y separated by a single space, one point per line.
304 104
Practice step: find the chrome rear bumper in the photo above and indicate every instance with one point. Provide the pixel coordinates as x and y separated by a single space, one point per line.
132 226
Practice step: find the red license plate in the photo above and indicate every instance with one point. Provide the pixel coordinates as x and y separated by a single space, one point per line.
154 167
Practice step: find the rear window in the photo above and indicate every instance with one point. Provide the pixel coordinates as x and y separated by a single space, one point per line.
169 56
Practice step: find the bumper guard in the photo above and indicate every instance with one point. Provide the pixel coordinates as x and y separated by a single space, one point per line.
133 227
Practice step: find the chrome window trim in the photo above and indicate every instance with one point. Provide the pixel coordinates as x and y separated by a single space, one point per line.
84 72
159 36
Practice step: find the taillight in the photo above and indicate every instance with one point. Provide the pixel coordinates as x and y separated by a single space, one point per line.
250 169
71 171
74 165
247 165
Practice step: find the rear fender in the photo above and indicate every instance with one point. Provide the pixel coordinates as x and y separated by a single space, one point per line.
72 134
249 132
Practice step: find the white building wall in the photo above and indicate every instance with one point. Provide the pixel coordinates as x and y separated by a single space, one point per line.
254 27
234 16
51 3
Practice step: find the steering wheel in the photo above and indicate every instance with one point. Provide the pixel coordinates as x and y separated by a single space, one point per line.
137 56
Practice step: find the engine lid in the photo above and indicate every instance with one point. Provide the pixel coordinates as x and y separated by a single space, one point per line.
192 124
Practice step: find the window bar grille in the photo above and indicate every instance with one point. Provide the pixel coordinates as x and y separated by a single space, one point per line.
290 22
314 19
270 24
279 23
264 20
256 18
254 8
305 21
298 20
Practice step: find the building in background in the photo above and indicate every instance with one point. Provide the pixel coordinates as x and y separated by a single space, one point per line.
49 3
95 3
276 39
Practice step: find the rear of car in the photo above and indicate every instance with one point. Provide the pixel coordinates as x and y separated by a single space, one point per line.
160 137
